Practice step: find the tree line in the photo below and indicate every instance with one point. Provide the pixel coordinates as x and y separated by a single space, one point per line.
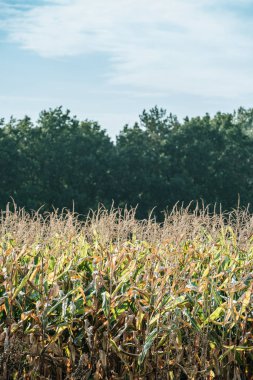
60 160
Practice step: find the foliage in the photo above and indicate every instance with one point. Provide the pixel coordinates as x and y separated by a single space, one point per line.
116 298
60 161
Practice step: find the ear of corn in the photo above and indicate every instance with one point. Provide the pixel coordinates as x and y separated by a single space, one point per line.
81 300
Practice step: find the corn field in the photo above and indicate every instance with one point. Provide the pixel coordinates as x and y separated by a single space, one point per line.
111 297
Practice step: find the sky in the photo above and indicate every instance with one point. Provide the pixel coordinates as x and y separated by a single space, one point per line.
109 60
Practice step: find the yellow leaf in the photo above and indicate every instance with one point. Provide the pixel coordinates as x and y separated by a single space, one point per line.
246 299
206 272
215 315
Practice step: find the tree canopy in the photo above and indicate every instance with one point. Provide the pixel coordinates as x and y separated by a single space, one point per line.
60 160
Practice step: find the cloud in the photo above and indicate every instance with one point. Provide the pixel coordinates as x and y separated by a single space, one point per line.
198 47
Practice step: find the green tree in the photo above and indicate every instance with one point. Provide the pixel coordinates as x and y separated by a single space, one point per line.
144 161
75 161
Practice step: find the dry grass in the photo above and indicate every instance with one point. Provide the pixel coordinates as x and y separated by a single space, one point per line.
115 298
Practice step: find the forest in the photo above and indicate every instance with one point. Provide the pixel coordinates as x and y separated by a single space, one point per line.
60 161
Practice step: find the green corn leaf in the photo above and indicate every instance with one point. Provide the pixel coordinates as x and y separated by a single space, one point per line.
106 303
148 343
23 282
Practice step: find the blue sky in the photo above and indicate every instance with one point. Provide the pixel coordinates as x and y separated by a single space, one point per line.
107 61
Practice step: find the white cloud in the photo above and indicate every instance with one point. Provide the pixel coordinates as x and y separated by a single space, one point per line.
188 46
